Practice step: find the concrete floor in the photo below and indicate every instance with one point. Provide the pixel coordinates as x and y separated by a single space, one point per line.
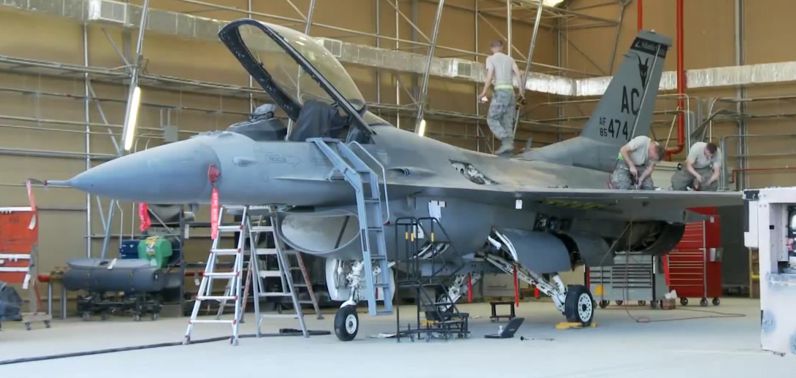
618 347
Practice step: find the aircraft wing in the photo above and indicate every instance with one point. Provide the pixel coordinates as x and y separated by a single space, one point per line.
598 203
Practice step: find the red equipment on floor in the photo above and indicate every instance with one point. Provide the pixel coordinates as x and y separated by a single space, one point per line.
19 238
694 265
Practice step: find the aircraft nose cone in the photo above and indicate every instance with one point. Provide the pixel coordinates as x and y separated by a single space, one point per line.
174 173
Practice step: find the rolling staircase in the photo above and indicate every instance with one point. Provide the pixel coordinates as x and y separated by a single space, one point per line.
421 264
365 182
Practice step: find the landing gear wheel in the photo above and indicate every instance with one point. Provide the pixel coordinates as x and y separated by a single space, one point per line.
642 303
346 323
653 304
716 301
603 304
579 305
684 301
703 302
619 303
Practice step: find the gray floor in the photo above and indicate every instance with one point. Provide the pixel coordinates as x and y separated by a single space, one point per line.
618 347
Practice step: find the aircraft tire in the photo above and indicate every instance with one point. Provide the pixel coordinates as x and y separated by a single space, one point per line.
346 323
579 305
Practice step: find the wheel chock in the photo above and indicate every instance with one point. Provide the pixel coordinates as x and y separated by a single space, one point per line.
574 325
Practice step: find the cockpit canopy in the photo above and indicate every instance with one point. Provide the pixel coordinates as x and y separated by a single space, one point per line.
302 78
289 75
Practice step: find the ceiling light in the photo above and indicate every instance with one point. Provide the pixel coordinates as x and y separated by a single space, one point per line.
421 130
131 118
551 3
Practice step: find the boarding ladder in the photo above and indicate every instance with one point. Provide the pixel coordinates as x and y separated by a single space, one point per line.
365 183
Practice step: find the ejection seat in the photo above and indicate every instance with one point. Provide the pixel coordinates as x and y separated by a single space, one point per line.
262 125
320 120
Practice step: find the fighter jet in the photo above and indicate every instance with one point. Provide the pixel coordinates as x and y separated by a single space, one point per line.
344 180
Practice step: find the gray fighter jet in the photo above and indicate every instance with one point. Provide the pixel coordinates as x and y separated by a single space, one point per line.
345 181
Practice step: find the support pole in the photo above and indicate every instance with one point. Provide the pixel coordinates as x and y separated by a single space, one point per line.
509 10
310 13
106 237
251 81
87 130
531 46
377 10
740 94
397 78
421 103
476 100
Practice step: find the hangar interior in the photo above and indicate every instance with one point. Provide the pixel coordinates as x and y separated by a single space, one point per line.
66 68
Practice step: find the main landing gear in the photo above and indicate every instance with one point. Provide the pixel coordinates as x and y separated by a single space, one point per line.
575 302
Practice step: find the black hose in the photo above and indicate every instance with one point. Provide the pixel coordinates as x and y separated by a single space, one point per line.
282 332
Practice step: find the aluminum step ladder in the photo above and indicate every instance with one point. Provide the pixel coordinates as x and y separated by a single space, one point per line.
295 264
284 272
214 272
365 182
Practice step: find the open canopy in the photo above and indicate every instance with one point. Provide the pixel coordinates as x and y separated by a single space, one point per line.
294 69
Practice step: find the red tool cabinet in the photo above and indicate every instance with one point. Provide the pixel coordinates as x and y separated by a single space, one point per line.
694 265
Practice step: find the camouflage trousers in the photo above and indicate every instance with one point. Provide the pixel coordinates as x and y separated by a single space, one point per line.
622 179
682 179
501 114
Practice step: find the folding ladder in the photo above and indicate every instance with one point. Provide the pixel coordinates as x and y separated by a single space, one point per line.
215 272
288 288
249 229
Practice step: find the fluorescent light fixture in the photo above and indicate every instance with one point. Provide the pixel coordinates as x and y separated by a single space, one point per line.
421 130
131 117
551 3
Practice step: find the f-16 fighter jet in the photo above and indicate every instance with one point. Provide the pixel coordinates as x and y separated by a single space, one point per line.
342 180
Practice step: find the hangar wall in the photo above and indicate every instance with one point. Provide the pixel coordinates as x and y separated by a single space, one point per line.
765 120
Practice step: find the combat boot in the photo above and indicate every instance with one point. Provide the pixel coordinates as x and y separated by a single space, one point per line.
506 147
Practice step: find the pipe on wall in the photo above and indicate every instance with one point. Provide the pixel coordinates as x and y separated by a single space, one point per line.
640 15
681 84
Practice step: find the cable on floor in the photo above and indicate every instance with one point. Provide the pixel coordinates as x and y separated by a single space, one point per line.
712 315
286 332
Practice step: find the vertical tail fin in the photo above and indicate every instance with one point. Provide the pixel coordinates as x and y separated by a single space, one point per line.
623 112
